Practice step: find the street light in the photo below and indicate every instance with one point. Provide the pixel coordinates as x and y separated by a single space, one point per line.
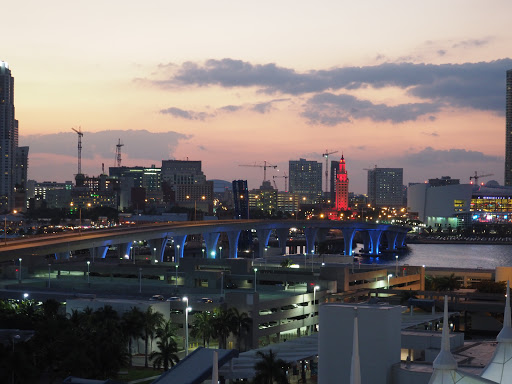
177 257
314 293
187 310
220 252
221 283
49 272
19 276
88 273
140 280
255 270
388 279
396 266
176 285
202 250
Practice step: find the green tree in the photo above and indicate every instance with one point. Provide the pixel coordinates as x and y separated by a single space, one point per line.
133 327
167 347
202 327
223 325
270 369
242 325
151 321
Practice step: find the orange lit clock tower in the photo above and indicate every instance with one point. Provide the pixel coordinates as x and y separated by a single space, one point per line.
342 187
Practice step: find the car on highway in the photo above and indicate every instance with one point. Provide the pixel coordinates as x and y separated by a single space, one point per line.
174 298
157 298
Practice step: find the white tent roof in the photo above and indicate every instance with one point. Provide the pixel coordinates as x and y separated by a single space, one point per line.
499 368
445 366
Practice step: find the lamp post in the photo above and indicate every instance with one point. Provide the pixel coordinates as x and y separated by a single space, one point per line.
255 270
312 259
140 280
396 265
176 285
49 274
388 279
195 205
19 276
187 310
221 283
5 231
316 288
202 250
305 260
220 252
88 271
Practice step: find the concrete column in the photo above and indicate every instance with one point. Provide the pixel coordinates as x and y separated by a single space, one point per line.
124 249
263 236
211 238
178 251
367 242
233 237
157 249
422 278
391 237
348 237
99 252
310 234
400 239
282 235
321 235
375 239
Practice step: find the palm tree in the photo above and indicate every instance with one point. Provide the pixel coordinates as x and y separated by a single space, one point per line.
133 327
167 347
151 321
242 324
270 369
202 327
223 325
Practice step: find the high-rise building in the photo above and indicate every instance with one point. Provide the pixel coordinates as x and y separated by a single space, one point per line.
241 199
342 187
8 138
306 179
385 187
508 132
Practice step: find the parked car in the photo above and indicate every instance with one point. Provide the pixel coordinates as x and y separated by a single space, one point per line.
157 298
205 300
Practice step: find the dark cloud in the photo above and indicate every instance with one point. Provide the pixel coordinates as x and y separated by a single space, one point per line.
266 106
433 134
103 144
230 108
473 85
189 115
430 156
471 43
331 109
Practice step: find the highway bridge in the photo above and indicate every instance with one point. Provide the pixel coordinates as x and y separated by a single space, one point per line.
157 235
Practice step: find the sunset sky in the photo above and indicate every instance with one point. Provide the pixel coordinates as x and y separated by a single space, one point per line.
418 85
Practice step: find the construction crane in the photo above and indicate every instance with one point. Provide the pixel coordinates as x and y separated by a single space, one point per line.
285 177
477 176
264 166
118 152
80 134
326 155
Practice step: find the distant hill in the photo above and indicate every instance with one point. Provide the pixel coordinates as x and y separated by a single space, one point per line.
220 186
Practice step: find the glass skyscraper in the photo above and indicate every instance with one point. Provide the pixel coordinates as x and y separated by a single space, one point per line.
8 138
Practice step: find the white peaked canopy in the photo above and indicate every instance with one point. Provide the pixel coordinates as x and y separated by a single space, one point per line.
445 366
499 368
355 369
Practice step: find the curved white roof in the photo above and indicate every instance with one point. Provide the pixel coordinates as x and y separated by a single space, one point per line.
499 368
445 366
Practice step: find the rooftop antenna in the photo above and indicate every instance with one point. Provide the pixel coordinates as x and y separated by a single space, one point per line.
80 134
118 152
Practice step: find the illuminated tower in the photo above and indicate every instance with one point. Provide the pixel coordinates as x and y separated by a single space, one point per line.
342 187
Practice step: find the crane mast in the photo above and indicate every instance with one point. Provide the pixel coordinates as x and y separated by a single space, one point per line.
477 176
80 134
326 155
264 166
285 177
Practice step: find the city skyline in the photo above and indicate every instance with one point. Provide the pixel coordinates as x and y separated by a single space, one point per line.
394 84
